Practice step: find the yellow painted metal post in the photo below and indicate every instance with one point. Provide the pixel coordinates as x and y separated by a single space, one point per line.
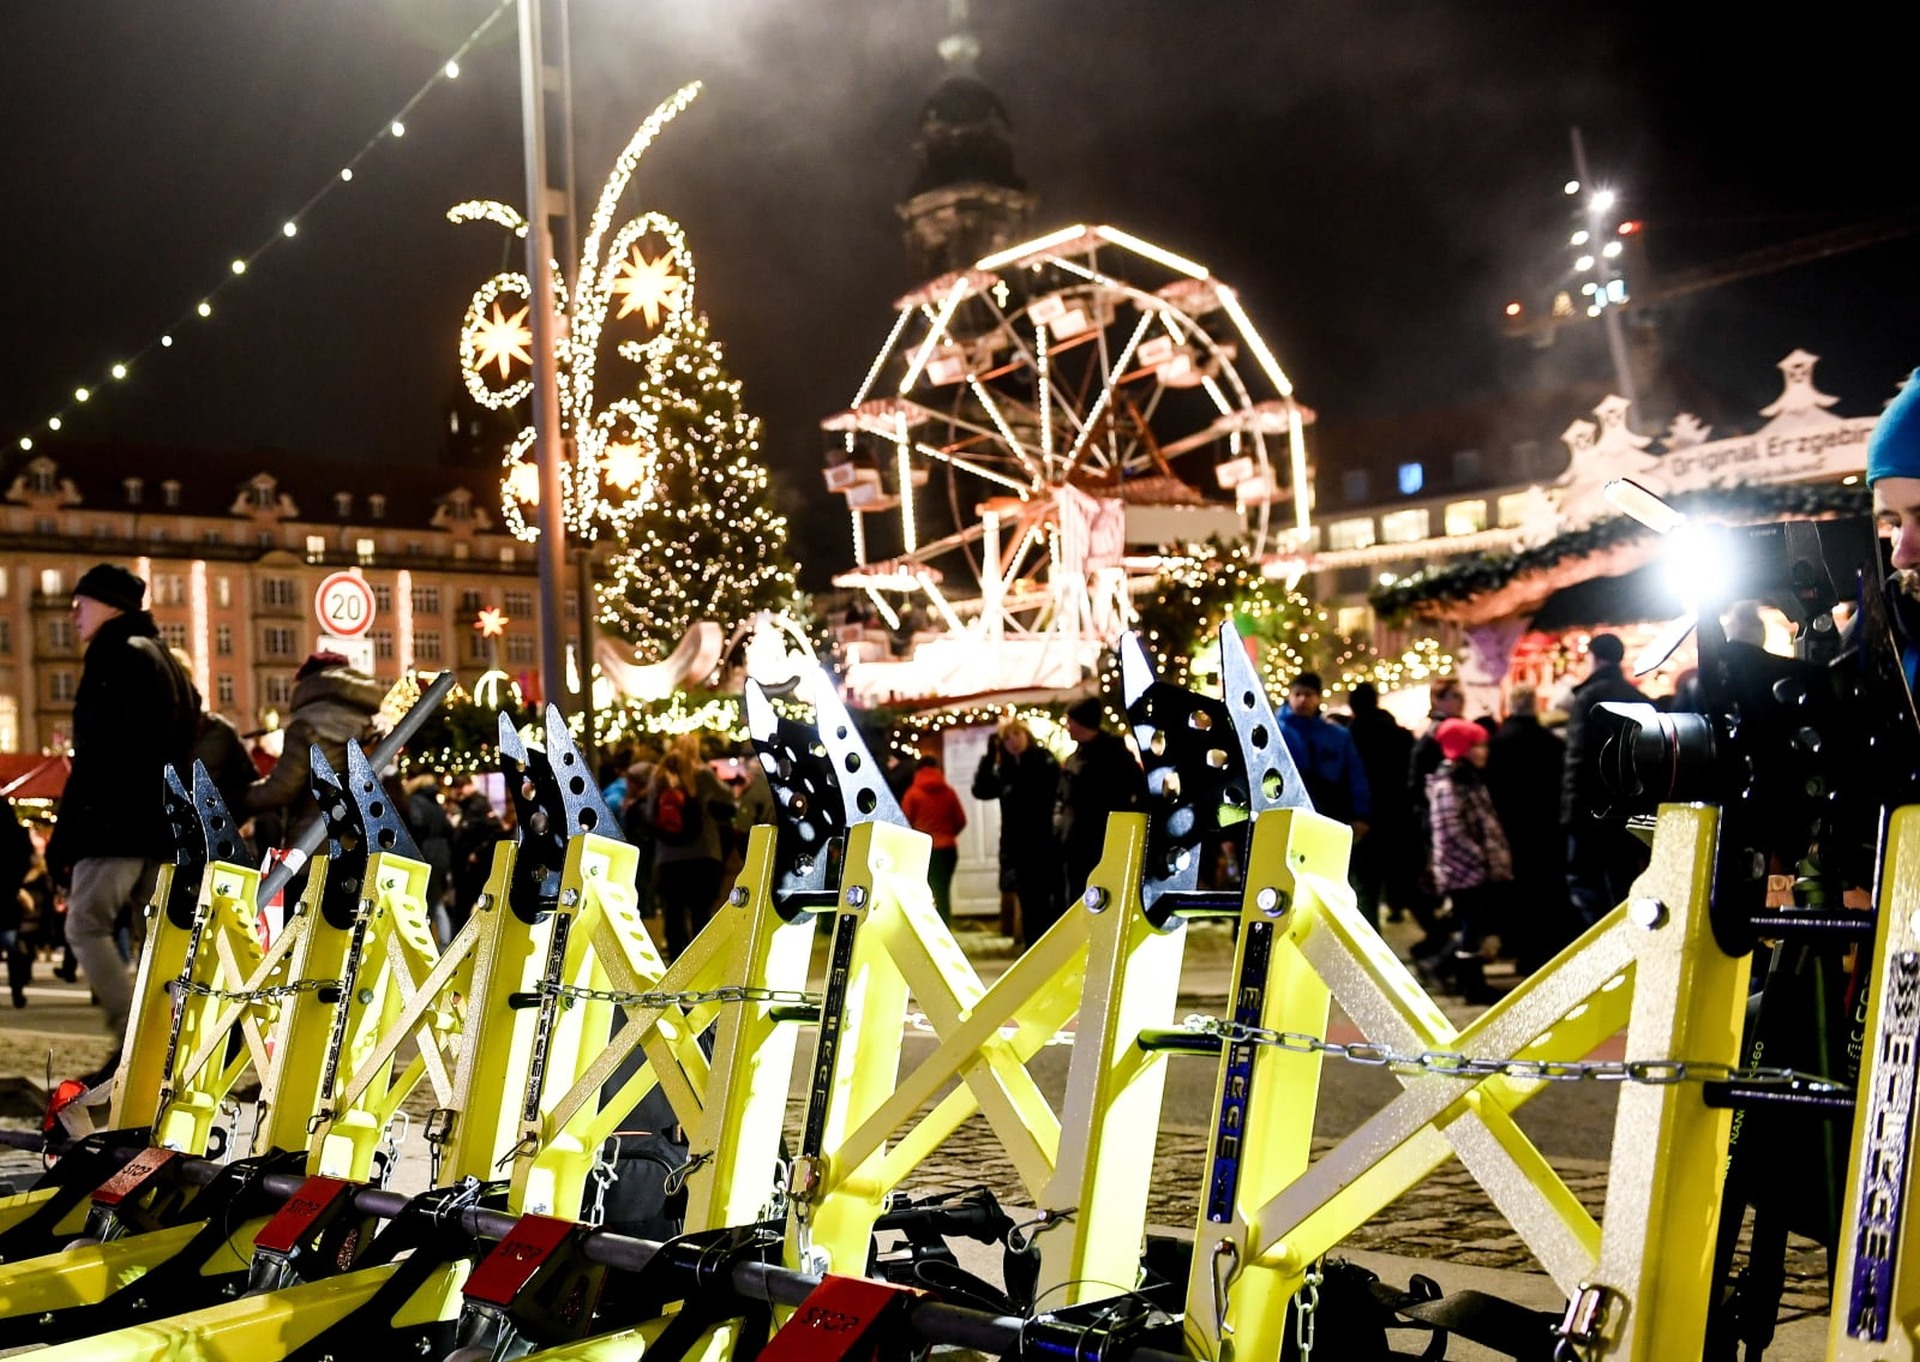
143 1067
857 1058
1110 1118
1876 1282
1263 1107
752 1066
1665 1178
301 1034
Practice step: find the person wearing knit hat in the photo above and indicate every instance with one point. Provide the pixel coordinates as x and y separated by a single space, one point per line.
135 713
1472 862
1329 762
1100 778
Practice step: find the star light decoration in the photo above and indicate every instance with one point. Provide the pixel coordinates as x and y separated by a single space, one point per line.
612 474
491 622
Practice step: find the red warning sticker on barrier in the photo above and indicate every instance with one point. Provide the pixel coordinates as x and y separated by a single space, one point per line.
134 1175
840 1321
294 1220
505 1272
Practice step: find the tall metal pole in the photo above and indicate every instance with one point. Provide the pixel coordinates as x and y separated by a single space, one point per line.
583 552
548 451
1609 314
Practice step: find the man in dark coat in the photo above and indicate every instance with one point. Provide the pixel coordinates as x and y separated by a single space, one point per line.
1602 856
133 716
1100 778
1386 750
1025 778
1524 767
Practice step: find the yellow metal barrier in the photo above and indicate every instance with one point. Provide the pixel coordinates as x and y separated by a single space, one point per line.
1652 965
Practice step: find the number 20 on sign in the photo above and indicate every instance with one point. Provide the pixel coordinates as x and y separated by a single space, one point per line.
344 604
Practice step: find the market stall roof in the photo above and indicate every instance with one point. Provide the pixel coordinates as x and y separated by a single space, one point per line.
1486 588
33 775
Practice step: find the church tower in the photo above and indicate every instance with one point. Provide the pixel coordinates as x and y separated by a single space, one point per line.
966 201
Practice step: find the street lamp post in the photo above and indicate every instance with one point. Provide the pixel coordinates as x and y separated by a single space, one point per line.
548 450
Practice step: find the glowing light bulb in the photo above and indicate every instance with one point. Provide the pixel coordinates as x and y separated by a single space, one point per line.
239 267
26 442
346 172
205 309
399 128
290 229
1571 187
453 70
53 423
119 371
166 341
81 394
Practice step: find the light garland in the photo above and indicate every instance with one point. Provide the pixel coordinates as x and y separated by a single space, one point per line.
240 266
612 448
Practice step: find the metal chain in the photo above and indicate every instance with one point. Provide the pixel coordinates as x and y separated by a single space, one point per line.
182 987
731 993
1307 1306
1455 1064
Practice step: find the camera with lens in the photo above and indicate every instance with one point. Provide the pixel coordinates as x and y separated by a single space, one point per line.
1805 755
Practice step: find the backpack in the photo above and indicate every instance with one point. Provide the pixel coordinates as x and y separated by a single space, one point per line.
676 817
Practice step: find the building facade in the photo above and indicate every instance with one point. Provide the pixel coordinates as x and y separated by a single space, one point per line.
233 548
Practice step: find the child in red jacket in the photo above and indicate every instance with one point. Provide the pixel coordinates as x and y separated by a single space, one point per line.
932 807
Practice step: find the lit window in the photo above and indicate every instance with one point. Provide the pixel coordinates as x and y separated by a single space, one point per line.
363 550
223 592
506 555
1404 527
461 549
133 486
1354 619
377 505
9 724
1350 534
1511 509
51 582
170 492
316 547
1466 517
343 504
1413 477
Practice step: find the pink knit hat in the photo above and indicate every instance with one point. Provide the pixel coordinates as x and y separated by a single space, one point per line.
1457 737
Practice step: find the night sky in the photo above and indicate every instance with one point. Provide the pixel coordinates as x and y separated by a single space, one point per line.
1376 178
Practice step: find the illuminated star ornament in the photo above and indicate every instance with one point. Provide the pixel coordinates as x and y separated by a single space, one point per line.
647 286
502 339
611 477
491 622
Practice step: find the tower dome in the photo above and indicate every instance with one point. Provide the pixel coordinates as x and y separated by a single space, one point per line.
966 199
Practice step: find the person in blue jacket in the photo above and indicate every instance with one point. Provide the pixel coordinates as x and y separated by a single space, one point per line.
1326 756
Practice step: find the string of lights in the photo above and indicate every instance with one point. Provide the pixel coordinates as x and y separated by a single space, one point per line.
240 266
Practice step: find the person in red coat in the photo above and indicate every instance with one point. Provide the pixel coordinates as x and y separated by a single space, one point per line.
932 807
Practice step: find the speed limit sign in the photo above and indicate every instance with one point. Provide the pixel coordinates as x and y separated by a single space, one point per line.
344 604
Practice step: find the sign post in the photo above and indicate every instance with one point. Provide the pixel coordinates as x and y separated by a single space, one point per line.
344 606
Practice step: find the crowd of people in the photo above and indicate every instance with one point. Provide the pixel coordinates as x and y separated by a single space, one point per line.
1486 832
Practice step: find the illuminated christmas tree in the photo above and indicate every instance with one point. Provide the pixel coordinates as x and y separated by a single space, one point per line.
709 544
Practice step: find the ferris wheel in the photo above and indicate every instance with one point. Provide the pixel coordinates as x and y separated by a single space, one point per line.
1038 431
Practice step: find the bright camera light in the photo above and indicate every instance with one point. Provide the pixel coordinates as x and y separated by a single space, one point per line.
1602 200
1585 262
290 229
1697 565
399 128
346 172
1644 505
1579 238
1571 187
1611 249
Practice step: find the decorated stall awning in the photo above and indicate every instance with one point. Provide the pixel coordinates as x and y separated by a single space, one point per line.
1487 588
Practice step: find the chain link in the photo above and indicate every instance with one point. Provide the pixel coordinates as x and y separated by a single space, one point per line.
1307 1306
183 987
732 993
1455 1064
